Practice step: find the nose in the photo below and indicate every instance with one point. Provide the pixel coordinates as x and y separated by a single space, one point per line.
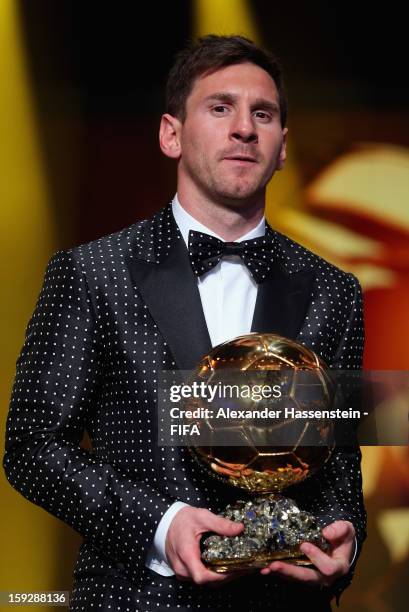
243 128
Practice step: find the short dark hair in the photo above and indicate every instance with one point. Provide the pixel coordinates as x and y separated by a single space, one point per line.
210 53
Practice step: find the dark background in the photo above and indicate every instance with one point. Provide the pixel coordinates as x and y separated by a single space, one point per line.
98 72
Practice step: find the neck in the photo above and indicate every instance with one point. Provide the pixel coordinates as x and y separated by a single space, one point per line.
228 222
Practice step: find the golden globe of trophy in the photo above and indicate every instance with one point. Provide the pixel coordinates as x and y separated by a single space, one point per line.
259 455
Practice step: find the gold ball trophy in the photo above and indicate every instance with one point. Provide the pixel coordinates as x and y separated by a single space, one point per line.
252 453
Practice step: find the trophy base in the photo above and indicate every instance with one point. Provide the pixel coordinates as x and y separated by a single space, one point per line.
234 565
274 529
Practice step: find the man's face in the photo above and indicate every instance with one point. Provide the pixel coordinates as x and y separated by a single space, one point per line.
231 141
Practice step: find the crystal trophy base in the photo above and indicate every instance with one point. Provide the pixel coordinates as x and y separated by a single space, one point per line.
274 529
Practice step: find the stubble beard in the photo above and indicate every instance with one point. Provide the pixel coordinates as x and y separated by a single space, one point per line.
237 192
219 185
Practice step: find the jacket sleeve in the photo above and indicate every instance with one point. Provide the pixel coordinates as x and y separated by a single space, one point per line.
335 492
58 375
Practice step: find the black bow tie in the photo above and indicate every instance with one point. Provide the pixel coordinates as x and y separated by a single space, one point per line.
206 251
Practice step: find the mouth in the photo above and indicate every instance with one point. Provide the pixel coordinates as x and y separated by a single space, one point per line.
241 159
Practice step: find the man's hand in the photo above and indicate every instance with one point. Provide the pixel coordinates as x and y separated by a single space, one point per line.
330 566
182 545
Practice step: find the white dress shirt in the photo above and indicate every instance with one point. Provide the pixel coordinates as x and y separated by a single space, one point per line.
228 294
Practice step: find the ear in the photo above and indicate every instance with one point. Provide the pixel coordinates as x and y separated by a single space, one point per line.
283 152
169 136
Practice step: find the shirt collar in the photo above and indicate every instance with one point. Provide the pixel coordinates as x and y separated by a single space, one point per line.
186 222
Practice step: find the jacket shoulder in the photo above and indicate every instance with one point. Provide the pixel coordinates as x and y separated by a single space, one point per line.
104 250
145 238
110 245
294 257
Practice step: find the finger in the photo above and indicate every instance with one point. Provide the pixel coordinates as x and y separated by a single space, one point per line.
230 577
294 572
211 578
219 524
181 570
198 572
202 575
330 567
339 530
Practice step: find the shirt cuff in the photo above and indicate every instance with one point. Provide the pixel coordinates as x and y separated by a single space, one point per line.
156 559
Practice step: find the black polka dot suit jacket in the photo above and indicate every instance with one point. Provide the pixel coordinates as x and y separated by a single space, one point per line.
110 316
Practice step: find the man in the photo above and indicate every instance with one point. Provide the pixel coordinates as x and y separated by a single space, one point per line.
113 313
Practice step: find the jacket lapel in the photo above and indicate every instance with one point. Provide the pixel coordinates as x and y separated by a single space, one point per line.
282 302
169 290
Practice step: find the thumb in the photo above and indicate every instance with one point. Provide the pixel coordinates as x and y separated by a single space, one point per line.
338 530
223 526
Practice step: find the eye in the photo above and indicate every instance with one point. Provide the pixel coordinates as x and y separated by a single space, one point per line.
220 109
263 116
